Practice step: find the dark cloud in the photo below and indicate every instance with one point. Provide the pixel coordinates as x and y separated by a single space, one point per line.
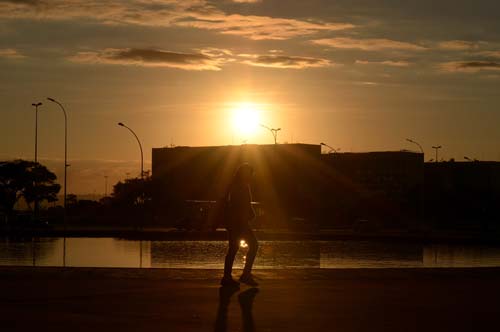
23 2
152 58
469 66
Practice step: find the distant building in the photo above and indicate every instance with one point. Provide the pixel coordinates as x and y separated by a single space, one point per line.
463 194
296 184
378 187
292 182
283 182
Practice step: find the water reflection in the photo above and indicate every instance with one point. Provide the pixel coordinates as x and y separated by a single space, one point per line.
111 252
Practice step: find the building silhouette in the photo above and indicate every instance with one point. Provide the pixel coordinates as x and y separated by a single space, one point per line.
297 187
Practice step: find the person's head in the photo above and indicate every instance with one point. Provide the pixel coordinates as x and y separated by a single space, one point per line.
244 174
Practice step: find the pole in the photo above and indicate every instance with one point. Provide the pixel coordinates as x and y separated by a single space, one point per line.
140 147
36 105
65 153
274 132
36 129
437 148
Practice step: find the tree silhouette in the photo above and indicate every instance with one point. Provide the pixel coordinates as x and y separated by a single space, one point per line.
132 192
27 179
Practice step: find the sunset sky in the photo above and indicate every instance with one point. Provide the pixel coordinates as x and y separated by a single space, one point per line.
360 75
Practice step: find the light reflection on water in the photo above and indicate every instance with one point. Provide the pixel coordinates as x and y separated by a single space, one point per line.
111 252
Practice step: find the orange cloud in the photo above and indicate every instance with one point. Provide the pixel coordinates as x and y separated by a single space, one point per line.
283 61
385 63
187 13
492 54
458 45
374 44
10 53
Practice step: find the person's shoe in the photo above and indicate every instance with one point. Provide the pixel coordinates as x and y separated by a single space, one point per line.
249 280
229 282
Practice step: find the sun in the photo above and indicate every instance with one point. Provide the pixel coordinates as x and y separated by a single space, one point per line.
246 119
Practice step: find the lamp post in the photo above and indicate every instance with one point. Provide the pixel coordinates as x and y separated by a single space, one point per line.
140 147
36 105
437 148
65 152
331 149
274 132
416 143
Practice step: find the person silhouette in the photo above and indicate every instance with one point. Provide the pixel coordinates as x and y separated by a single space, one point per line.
238 212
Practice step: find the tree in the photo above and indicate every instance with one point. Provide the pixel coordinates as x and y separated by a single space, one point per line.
27 179
132 192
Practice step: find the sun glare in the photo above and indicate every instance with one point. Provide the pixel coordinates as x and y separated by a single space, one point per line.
246 119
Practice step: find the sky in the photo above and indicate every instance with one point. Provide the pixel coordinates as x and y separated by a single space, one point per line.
358 75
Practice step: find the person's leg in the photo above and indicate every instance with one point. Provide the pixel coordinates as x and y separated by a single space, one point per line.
233 241
253 245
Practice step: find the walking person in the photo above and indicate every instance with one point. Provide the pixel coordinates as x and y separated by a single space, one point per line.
238 212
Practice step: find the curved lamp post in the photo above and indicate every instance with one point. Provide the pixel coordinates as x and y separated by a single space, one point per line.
140 147
331 148
274 132
65 152
417 144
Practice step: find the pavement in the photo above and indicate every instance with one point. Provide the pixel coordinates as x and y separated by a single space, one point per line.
117 299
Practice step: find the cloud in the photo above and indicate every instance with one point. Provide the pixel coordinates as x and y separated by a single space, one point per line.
458 45
491 54
284 61
374 44
10 53
166 13
260 27
385 63
152 58
469 66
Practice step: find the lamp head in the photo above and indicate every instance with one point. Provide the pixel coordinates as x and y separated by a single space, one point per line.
121 124
322 143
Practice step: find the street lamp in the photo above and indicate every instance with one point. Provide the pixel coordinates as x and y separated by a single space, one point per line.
140 147
467 158
331 149
65 152
36 105
437 148
416 143
274 132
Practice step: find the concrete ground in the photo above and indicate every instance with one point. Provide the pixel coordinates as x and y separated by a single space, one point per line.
102 299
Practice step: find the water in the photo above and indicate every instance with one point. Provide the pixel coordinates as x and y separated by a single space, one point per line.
113 252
